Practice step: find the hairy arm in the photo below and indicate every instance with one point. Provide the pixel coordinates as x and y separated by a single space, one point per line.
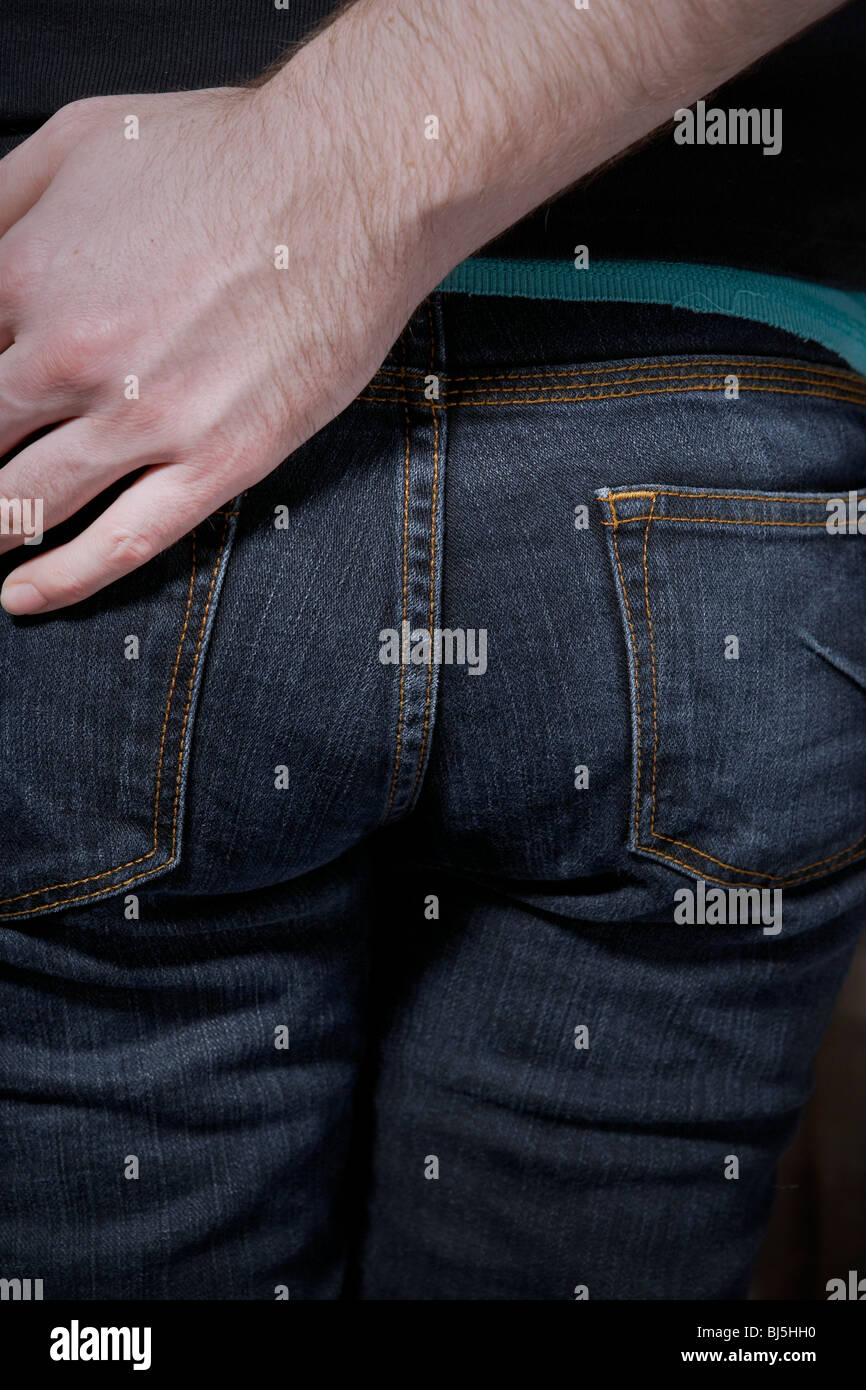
193 284
529 95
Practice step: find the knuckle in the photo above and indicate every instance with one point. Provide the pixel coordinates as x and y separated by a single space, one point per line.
16 279
22 387
74 358
130 549
22 264
71 124
73 113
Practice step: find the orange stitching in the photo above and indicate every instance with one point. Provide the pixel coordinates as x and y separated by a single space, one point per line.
432 567
636 681
721 496
756 873
398 399
723 520
94 878
653 663
649 366
147 873
690 376
709 878
856 395
683 844
796 876
398 751
797 873
196 655
616 395
168 704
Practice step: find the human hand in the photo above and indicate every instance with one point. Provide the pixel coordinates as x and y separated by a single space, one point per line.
152 260
142 314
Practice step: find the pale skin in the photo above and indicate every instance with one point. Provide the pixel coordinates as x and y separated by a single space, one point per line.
155 257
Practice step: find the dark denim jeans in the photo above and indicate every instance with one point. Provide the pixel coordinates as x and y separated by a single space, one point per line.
340 961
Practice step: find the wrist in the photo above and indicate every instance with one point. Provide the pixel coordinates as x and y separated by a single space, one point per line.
343 115
442 125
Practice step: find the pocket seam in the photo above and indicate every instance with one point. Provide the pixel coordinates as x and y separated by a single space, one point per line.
796 877
117 868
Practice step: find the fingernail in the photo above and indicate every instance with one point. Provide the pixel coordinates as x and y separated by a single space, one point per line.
19 597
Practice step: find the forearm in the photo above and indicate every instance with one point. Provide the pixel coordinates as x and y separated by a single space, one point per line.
529 96
279 237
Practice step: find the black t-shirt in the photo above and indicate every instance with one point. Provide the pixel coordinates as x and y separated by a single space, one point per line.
801 212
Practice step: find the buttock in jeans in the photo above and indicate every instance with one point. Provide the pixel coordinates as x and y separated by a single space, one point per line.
368 956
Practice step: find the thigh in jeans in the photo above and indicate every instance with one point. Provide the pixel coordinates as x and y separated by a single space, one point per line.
192 761
636 870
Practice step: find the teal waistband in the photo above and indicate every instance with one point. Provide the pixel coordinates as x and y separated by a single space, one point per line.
836 318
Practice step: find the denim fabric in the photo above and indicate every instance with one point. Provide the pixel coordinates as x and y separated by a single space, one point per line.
325 974
786 809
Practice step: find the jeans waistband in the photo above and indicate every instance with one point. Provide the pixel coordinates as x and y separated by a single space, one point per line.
478 329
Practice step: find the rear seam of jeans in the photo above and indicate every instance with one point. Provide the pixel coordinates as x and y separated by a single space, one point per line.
431 614
402 697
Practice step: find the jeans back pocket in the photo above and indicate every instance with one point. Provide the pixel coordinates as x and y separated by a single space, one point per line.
97 705
743 621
